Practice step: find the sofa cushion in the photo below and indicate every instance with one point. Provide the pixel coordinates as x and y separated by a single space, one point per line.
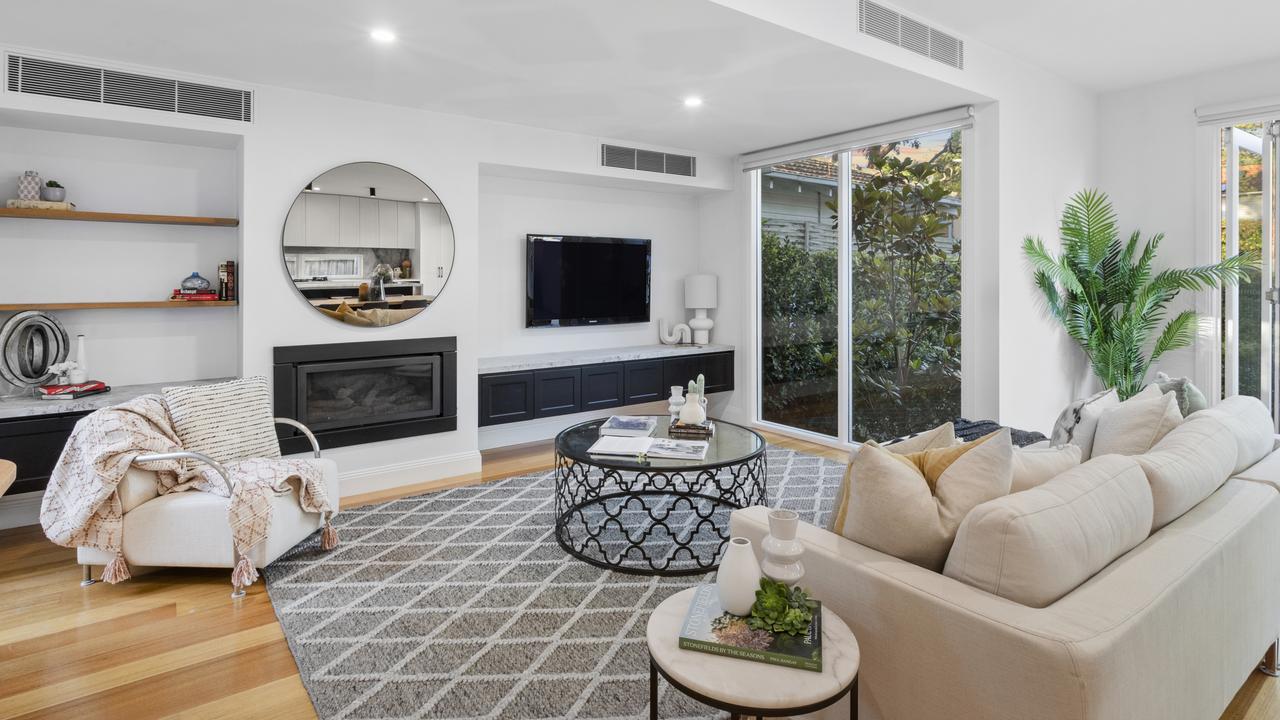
1137 424
1078 422
1251 423
1187 465
909 506
1190 399
226 421
942 436
136 487
1036 464
1033 547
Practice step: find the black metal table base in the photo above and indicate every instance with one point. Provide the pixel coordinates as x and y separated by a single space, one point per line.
653 522
745 711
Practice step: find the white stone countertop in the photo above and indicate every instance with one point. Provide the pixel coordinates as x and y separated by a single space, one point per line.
542 361
32 406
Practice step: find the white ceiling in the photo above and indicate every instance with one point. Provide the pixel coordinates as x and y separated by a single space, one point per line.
611 68
1113 44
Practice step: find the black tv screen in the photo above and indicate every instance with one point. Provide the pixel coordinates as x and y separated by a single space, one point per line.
575 280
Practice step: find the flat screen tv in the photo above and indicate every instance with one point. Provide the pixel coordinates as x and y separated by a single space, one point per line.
574 280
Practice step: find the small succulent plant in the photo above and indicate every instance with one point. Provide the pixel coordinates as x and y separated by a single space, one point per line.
780 609
53 184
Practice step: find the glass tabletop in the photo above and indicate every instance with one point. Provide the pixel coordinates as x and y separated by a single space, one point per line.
731 444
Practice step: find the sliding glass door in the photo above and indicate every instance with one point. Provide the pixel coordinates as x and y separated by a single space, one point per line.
859 295
799 310
1249 357
904 356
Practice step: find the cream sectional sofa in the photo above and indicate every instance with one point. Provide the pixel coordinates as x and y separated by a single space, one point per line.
1094 596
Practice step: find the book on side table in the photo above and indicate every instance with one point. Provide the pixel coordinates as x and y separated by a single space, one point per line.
709 629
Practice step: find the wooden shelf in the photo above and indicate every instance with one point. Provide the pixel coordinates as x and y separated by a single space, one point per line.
122 305
84 215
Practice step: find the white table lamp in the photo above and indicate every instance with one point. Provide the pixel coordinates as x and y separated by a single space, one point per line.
700 296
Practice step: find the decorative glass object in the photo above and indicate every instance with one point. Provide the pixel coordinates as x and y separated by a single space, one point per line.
381 275
196 283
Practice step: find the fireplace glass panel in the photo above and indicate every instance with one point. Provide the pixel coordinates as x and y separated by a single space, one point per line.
361 392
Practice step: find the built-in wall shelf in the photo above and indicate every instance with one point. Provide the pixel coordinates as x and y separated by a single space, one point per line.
121 305
87 216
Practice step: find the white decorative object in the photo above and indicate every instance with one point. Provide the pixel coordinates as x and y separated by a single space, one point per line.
738 577
675 402
82 361
680 334
782 551
694 410
700 296
29 186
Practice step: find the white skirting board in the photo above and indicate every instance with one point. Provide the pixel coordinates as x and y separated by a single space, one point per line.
414 472
19 510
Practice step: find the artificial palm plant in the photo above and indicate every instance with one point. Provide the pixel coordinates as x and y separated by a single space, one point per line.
1109 297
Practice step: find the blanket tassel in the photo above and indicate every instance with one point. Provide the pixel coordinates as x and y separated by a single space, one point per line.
116 571
328 537
245 573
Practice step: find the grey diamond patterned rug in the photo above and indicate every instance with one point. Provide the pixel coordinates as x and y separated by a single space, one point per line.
460 604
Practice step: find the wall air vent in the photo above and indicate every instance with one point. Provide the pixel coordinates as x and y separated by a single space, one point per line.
625 158
885 23
37 76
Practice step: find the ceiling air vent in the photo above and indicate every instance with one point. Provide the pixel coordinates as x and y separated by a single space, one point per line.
880 21
616 156
37 76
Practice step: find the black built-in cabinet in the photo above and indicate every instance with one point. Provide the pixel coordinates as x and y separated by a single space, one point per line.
515 396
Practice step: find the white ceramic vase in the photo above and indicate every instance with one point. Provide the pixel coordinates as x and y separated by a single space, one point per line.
738 577
782 551
694 411
675 402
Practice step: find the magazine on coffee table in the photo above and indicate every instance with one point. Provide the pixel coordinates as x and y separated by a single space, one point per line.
629 426
651 447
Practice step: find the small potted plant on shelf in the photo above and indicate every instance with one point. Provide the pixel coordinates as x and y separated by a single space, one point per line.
53 192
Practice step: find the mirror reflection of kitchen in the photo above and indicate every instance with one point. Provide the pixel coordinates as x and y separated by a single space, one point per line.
368 244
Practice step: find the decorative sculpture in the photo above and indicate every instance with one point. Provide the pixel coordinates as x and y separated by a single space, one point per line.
680 334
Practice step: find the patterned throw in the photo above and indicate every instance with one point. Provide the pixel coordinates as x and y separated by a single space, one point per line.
82 509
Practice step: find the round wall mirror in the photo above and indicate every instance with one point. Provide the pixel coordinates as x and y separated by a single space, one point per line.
368 244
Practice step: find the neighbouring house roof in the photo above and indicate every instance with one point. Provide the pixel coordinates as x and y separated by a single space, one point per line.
823 170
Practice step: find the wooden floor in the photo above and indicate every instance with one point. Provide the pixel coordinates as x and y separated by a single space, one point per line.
172 644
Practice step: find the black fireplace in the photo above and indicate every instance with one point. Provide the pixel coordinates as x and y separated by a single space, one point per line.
353 393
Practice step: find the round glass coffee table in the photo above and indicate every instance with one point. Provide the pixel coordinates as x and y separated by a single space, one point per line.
655 516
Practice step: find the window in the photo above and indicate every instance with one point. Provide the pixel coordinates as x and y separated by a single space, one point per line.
859 326
905 286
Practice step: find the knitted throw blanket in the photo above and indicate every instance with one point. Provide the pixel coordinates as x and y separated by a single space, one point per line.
81 507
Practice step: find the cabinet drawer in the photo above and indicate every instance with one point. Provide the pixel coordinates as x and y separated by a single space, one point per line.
506 397
557 392
602 386
716 369
644 382
34 445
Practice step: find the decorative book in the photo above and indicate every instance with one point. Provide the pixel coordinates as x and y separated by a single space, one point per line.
629 426
688 430
72 392
709 629
651 447
40 205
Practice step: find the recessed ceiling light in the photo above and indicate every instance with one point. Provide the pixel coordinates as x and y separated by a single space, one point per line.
692 101
382 35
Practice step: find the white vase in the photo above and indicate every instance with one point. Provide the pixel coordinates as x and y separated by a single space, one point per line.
675 402
81 358
694 411
782 551
738 577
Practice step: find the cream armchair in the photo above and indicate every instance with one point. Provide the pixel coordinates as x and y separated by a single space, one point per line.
190 529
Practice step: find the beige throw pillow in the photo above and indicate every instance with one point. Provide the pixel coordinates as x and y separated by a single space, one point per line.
1035 465
940 437
226 421
910 506
1137 424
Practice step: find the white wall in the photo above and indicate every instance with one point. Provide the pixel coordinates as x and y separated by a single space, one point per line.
512 208
85 262
1147 160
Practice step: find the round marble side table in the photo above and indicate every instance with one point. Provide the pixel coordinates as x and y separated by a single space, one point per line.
746 688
